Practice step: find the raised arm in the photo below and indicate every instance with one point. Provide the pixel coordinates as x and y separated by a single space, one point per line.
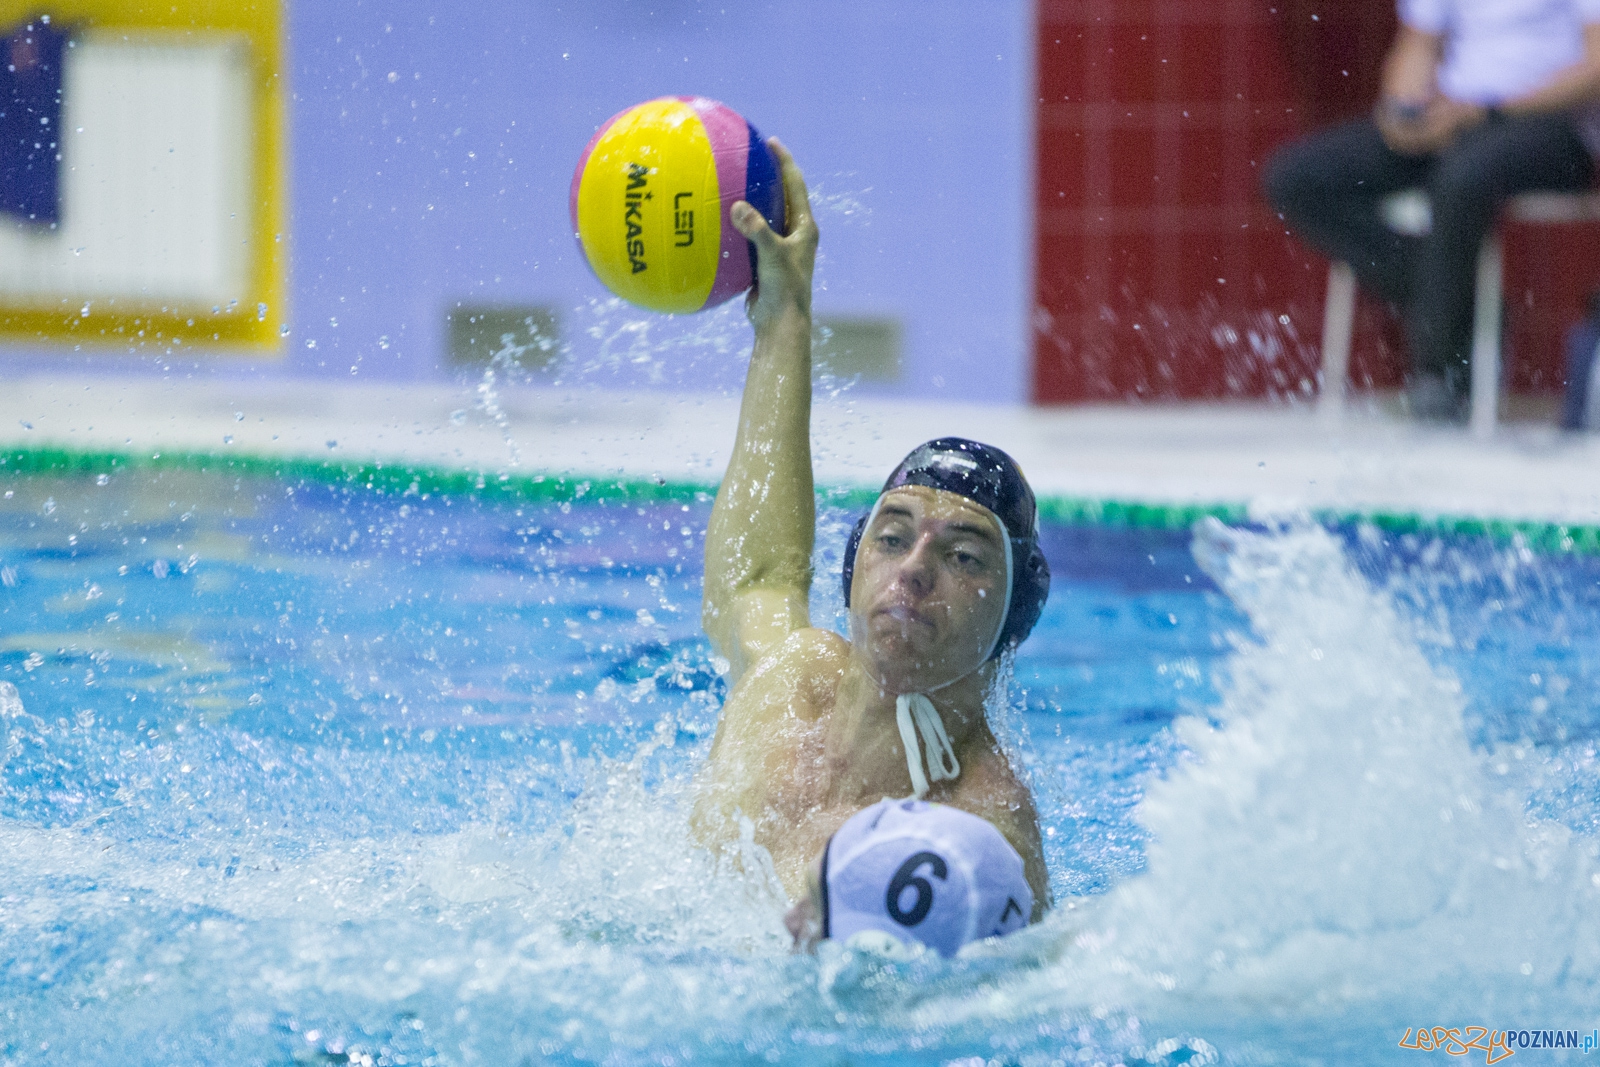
758 546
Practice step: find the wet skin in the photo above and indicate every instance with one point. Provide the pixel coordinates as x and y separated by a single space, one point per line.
803 920
808 735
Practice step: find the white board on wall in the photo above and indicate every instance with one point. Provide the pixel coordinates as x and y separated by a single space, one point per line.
155 149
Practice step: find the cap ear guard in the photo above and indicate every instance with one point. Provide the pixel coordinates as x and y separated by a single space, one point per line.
850 548
1030 588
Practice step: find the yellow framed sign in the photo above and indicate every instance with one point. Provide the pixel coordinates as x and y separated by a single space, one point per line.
170 206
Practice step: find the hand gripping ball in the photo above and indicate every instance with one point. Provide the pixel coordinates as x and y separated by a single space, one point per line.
650 202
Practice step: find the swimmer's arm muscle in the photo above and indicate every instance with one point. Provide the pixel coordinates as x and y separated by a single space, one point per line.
999 796
758 544
1023 833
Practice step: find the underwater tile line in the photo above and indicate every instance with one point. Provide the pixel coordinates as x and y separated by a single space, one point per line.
542 487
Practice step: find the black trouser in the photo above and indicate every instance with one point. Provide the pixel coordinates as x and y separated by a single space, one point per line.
1328 187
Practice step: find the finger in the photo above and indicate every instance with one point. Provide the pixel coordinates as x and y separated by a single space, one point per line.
748 221
796 198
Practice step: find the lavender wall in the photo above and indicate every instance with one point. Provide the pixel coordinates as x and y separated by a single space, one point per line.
432 148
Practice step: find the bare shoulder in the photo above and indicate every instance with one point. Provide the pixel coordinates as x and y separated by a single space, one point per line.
769 723
802 673
819 657
992 789
814 646
795 683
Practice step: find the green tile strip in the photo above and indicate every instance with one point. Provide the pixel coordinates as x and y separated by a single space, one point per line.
374 475
383 477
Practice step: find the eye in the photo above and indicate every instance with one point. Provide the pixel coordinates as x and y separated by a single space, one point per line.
970 562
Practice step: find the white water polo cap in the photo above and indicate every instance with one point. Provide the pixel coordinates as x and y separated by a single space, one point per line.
922 872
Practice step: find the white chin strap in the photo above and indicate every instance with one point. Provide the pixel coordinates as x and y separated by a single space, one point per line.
914 712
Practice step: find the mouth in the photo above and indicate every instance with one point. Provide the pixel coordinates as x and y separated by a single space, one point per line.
904 615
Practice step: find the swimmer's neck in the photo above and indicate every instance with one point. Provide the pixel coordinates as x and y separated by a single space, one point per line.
864 708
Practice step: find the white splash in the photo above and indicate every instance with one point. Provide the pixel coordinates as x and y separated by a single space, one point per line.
1335 841
504 364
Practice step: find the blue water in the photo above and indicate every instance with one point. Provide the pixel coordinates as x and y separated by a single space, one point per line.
300 774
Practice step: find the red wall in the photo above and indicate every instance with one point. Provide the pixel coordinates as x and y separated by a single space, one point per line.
1160 273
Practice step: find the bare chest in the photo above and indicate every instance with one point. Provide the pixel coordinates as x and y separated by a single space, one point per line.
819 786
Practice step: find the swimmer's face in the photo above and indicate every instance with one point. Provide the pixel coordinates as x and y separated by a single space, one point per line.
928 593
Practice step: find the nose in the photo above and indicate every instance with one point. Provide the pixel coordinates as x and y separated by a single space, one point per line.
917 571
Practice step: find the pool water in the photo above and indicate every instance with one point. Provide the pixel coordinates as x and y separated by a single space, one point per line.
295 772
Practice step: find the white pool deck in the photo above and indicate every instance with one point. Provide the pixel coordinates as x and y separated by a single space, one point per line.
1274 457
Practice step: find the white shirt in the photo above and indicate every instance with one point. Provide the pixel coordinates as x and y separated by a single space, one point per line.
1498 49
1495 50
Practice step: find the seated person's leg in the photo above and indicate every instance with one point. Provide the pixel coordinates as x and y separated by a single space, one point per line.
1471 179
1329 186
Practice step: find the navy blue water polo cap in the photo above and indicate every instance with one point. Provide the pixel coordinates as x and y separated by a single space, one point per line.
990 478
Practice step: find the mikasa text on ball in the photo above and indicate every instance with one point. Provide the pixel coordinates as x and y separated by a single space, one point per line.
650 202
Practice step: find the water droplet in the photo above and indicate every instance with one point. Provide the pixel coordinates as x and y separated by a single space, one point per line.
261 313
283 330
383 342
102 479
311 342
26 425
227 438
394 76
458 416
238 416
332 444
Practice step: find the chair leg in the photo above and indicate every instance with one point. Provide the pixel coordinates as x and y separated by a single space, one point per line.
1338 320
1486 340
